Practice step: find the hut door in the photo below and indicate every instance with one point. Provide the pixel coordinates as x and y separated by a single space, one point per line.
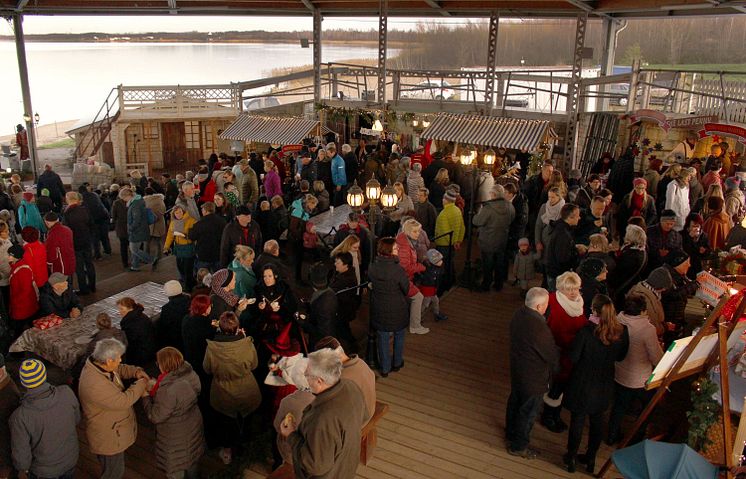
174 144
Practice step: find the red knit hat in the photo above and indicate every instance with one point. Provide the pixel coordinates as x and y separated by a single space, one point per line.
28 196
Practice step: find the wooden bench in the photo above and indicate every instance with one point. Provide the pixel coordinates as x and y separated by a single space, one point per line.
368 439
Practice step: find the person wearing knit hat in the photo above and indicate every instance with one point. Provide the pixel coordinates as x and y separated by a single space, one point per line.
168 326
675 299
43 430
56 297
449 231
636 203
662 238
172 288
677 197
652 288
430 281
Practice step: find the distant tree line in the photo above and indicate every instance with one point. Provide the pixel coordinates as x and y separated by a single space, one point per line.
546 42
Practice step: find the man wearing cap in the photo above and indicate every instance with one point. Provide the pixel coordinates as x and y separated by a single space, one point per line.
240 231
662 239
9 401
59 245
658 282
43 428
56 297
674 300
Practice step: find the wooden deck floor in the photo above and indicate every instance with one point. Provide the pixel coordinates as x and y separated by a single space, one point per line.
447 404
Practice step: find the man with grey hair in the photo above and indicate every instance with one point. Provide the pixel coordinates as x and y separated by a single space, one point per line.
110 420
186 200
326 443
493 221
79 220
533 358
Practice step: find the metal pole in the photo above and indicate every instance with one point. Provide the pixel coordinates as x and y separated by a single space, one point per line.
607 61
383 20
371 354
489 92
573 92
317 56
26 91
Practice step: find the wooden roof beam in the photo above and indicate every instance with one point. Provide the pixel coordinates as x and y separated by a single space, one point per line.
591 11
308 4
21 5
435 5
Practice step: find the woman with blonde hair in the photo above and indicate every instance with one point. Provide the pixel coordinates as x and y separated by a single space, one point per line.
557 181
595 349
565 317
351 244
172 406
714 191
243 259
272 183
322 195
177 238
404 205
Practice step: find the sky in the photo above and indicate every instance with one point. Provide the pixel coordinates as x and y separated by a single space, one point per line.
167 23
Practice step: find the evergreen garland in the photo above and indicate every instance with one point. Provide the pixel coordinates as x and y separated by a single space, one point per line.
705 412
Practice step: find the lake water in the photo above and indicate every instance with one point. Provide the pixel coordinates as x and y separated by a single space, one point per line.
72 80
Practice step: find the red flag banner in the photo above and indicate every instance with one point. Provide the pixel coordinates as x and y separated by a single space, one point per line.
724 129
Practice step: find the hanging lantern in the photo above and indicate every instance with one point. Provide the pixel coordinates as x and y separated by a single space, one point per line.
355 197
467 156
377 126
389 199
415 123
373 190
489 157
425 124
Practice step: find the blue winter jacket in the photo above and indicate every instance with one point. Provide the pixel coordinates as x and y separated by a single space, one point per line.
339 177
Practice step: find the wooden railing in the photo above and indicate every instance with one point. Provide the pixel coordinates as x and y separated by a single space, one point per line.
178 97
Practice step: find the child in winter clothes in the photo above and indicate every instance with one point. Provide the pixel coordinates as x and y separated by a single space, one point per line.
524 263
429 280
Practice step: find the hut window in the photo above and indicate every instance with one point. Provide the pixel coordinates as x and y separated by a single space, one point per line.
152 130
191 131
207 135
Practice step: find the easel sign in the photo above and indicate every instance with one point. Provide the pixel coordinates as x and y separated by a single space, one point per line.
695 361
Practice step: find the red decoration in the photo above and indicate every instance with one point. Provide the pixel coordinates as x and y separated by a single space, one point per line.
730 306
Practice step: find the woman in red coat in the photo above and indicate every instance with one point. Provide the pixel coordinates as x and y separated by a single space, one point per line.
406 242
35 254
207 187
59 246
565 318
24 297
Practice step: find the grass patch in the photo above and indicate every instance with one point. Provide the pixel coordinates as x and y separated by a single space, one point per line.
66 143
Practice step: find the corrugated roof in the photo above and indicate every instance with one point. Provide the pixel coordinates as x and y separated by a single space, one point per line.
273 130
490 131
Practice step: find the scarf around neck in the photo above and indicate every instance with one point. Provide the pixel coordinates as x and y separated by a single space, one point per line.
552 213
572 308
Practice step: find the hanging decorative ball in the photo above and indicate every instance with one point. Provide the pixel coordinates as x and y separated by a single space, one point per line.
696 386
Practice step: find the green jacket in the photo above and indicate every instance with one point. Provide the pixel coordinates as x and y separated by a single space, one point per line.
245 280
450 219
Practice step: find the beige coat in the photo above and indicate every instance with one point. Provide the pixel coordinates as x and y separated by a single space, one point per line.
234 390
158 207
359 373
110 421
655 308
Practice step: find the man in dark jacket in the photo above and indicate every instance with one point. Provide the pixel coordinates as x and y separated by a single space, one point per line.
533 358
56 297
171 190
674 299
592 222
52 182
428 174
562 254
79 221
100 216
493 221
206 234
343 283
240 231
534 188
119 219
518 225
351 164
43 428
663 239
621 175
168 327
138 229
323 308
425 212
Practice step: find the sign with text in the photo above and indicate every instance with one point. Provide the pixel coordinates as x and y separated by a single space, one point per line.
723 129
653 115
369 132
291 148
692 121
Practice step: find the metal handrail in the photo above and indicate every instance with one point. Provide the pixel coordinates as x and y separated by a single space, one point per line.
91 138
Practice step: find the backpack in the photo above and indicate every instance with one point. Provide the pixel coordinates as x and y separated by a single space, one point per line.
151 216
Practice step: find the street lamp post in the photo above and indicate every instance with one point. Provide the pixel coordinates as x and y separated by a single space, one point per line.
468 157
356 199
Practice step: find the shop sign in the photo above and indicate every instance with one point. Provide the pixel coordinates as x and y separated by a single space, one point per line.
369 132
692 121
724 129
291 148
653 115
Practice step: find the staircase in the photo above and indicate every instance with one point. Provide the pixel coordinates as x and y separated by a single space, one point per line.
95 135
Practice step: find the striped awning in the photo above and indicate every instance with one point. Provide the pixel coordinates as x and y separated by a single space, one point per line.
273 130
496 132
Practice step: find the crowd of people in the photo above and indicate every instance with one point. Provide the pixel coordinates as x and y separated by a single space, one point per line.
590 337
234 345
